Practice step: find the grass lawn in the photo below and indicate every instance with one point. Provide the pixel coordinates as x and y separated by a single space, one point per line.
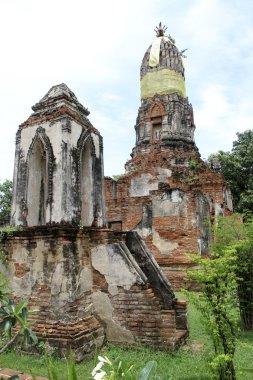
187 363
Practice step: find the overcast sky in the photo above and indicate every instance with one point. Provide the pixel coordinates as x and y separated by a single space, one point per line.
96 48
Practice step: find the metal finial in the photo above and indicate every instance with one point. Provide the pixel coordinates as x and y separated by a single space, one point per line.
160 30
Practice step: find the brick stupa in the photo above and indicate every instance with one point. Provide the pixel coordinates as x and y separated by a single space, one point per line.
168 194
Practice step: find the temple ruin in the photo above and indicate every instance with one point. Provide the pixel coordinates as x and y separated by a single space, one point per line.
58 173
90 251
168 194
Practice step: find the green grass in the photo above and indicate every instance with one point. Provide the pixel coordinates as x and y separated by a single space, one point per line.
187 363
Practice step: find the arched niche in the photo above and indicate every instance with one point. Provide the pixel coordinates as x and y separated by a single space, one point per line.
156 113
157 109
37 187
39 180
87 195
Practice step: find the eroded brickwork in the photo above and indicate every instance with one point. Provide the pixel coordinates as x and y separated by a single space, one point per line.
174 212
88 288
144 315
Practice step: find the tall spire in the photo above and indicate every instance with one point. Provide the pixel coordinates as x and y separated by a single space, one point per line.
165 118
162 69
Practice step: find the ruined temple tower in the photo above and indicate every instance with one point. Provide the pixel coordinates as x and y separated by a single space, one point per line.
168 194
58 174
87 283
165 118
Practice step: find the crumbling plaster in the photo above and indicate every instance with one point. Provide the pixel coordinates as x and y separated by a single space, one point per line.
87 282
142 184
110 260
169 203
166 247
105 312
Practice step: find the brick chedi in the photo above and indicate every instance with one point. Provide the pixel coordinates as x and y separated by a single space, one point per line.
168 194
87 283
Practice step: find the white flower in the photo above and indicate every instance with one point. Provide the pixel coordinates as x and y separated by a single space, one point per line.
97 368
97 373
104 360
100 376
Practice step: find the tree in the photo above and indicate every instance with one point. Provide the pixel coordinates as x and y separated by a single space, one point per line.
5 201
237 168
232 233
226 281
244 272
216 302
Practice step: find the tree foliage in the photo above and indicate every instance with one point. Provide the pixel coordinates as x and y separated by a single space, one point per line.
116 177
231 232
237 168
5 201
226 280
216 276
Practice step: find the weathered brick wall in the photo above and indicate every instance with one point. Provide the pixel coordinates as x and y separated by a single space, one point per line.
170 203
45 267
143 313
86 290
82 334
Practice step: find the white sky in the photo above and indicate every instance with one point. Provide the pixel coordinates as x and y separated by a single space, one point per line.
96 48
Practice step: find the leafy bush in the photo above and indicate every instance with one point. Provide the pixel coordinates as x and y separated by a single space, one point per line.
13 317
217 302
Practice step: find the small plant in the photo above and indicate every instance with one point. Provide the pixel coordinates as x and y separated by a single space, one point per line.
8 231
4 257
46 351
118 369
194 165
189 178
13 317
106 369
71 371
